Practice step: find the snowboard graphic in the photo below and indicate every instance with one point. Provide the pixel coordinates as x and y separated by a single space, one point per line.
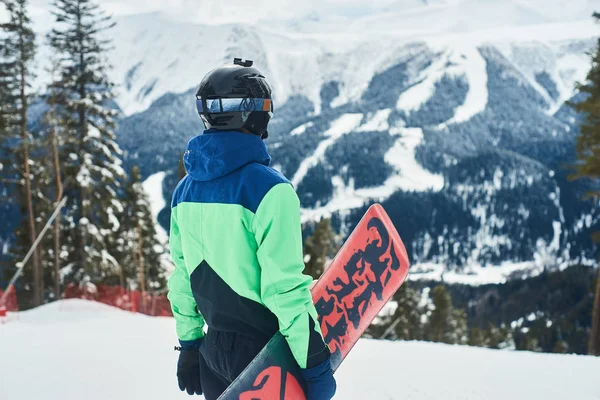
364 275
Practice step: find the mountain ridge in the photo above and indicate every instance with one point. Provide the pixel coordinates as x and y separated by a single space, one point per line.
465 146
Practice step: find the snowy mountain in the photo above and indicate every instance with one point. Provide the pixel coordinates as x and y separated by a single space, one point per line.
460 129
156 54
374 369
166 47
449 112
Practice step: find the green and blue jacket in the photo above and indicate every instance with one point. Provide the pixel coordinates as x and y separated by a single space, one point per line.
236 243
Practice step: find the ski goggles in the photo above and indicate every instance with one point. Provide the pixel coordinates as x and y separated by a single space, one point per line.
246 104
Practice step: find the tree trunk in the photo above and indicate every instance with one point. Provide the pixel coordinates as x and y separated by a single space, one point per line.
594 345
83 122
122 280
81 236
38 279
59 195
142 274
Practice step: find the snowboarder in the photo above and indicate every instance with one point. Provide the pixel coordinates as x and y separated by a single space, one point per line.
237 247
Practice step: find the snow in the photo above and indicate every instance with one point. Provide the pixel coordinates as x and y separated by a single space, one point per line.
112 219
153 188
108 259
93 132
474 274
570 68
343 125
564 67
4 15
377 123
557 228
459 61
301 129
84 178
474 68
413 98
409 175
78 349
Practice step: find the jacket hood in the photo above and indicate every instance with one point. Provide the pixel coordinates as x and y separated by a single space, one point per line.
218 153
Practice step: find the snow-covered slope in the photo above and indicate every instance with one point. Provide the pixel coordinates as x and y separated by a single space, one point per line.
76 349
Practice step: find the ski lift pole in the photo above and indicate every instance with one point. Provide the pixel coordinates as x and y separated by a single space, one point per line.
390 329
22 264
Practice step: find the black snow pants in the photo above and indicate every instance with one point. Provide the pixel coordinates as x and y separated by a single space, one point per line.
223 356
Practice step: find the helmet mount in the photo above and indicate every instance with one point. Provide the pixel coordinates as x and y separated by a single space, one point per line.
246 63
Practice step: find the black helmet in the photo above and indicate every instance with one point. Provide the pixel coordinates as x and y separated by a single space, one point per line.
235 96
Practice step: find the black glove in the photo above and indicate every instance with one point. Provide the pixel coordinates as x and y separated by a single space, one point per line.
188 369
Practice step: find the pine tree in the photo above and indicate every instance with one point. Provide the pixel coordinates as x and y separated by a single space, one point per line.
588 153
139 250
446 324
493 337
532 344
439 321
408 314
54 125
459 328
6 95
43 206
91 157
18 52
405 321
477 337
498 337
561 347
318 248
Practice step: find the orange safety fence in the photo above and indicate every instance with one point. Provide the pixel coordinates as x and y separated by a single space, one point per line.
156 305
10 303
153 304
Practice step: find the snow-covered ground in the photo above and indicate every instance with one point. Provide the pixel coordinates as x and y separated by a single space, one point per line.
75 349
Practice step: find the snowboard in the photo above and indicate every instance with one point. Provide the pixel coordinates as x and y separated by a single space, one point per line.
363 276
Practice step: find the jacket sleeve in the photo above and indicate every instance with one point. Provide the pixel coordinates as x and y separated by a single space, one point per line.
188 320
284 288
